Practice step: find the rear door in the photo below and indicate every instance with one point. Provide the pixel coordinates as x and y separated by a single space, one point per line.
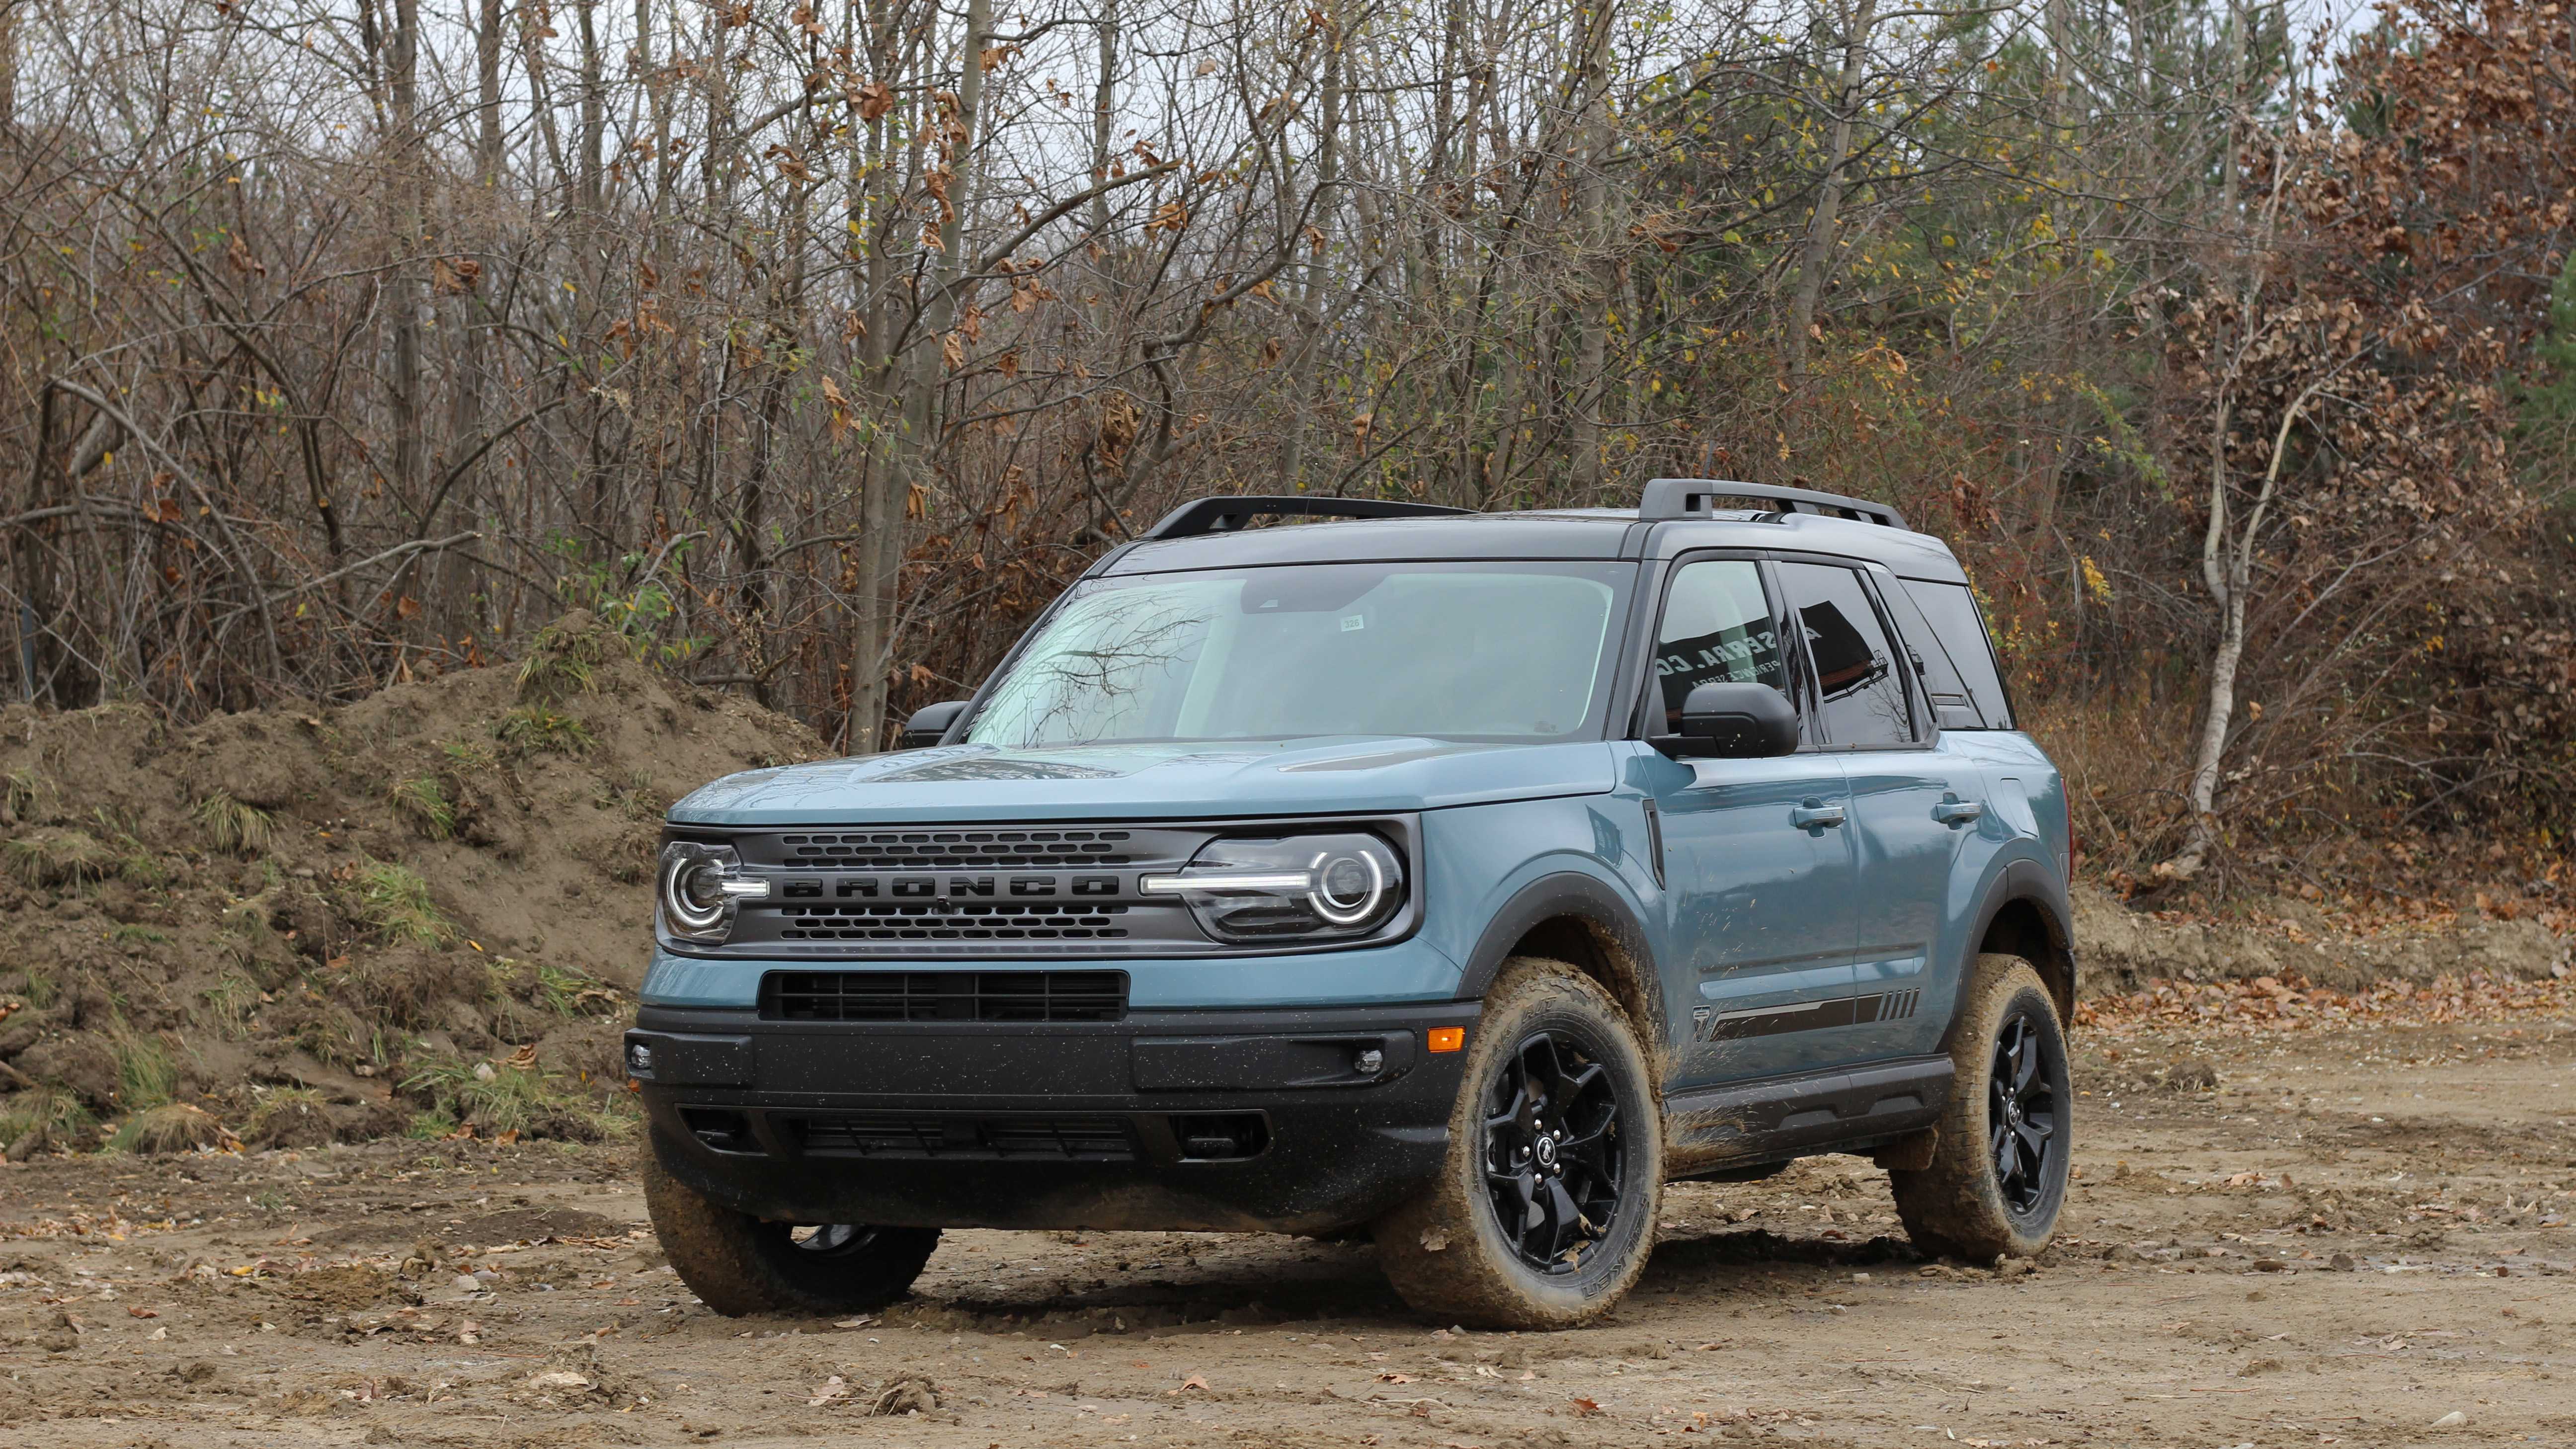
1759 872
1913 804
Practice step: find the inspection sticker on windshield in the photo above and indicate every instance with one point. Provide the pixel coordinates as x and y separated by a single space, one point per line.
1353 621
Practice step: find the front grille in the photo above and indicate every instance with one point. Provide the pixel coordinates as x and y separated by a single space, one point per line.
962 849
1023 996
899 1135
1003 921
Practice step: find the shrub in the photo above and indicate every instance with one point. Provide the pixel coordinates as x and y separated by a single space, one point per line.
233 827
231 1001
565 659
535 729
396 901
49 1116
497 1098
59 857
172 1127
289 1117
422 800
23 792
145 1075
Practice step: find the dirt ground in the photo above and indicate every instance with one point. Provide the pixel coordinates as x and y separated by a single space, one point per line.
2358 1235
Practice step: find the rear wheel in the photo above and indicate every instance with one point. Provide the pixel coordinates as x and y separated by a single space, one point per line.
1544 1210
1998 1174
737 1264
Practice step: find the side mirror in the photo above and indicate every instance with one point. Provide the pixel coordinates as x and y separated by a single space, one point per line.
928 723
1736 722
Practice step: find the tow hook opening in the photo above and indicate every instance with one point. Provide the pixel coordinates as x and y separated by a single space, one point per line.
722 1130
1221 1136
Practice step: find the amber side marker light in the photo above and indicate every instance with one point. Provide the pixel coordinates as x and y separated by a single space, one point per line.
1448 1038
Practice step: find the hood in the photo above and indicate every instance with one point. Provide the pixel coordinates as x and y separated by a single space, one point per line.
1157 781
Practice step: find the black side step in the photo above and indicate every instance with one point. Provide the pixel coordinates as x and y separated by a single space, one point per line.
1813 1111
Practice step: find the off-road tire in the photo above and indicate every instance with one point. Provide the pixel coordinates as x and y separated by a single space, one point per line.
1446 1250
739 1265
1958 1206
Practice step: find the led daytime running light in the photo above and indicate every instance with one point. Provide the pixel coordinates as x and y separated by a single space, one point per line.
1211 881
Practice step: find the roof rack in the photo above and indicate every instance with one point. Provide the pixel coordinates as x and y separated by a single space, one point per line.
1690 497
1225 515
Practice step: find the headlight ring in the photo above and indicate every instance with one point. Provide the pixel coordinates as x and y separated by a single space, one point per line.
1348 887
699 886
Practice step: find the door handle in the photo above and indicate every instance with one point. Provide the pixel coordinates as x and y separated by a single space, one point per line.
1816 815
1955 811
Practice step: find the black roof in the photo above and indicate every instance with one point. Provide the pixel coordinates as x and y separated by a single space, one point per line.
1574 533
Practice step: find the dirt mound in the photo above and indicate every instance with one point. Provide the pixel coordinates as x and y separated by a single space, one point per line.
419 912
2120 949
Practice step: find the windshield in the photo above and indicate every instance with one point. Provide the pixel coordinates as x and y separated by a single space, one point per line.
1481 651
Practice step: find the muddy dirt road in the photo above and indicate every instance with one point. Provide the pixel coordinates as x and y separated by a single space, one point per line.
2355 1236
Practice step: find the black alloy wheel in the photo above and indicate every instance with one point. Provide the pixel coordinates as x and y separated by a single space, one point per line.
1554 1164
2023 1114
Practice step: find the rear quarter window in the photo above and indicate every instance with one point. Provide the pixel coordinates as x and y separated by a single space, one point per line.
1958 658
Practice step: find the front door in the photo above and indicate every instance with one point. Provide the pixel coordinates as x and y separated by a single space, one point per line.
1759 868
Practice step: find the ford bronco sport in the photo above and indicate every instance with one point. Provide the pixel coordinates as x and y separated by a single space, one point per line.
1460 878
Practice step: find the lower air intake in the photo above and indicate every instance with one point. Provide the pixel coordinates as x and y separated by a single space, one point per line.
1003 996
900 1136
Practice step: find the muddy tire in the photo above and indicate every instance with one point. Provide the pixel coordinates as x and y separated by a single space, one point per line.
739 1265
1544 1210
1998 1174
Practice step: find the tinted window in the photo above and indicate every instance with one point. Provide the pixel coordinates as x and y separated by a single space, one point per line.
1717 629
1863 695
1952 707
1959 636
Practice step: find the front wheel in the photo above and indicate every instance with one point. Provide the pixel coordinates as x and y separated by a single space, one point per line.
738 1264
1998 1174
1544 1210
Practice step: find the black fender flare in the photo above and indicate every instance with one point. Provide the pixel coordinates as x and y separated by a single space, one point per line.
1622 952
2027 882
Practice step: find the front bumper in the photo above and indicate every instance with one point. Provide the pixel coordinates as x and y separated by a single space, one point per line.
1167 1119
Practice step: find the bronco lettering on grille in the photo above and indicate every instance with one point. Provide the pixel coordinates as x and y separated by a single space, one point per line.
963 887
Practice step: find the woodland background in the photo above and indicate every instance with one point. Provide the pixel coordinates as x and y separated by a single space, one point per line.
814 345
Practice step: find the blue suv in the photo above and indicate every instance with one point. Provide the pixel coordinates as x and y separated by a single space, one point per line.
1461 878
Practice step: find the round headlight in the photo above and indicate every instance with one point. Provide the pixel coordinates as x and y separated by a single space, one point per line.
1348 886
699 888
1316 887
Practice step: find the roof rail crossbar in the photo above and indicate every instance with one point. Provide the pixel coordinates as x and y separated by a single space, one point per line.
1225 515
1689 497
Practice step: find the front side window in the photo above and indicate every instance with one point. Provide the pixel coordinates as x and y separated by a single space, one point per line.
1511 652
1717 628
1862 693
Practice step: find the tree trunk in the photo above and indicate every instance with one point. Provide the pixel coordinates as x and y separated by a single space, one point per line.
877 560
1309 362
1104 120
1817 257
1598 264
8 65
404 177
2227 571
487 95
594 127
2235 106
